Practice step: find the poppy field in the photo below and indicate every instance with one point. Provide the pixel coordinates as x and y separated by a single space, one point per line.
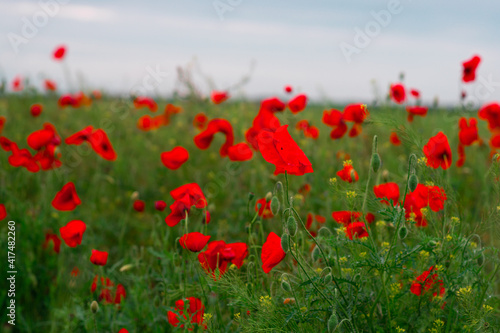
219 214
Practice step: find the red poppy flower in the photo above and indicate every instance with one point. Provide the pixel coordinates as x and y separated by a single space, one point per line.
240 152
272 252
2 123
265 120
194 312
416 111
68 100
66 199
36 109
102 146
348 174
80 136
204 139
99 258
334 118
428 282
3 212
219 255
178 211
438 152
370 217
395 139
200 121
107 290
305 189
298 103
280 149
469 69
491 113
123 330
160 205
218 97
72 232
75 272
206 217
346 217
390 191
17 84
139 205
44 137
356 113
145 102
288 89
397 93
194 193
310 220
52 237
59 52
356 230
265 208
423 196
50 85
415 93
468 132
175 158
194 241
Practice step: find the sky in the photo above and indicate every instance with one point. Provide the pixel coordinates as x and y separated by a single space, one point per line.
334 51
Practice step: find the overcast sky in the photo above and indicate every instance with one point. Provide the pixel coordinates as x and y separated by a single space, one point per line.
115 44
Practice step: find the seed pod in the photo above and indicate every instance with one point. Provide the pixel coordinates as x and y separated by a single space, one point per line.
285 242
432 244
332 322
326 271
327 279
286 286
269 195
291 224
94 307
250 196
376 162
403 232
315 254
413 182
275 205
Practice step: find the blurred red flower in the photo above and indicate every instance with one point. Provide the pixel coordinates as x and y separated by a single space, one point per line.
218 97
491 113
160 205
194 312
416 111
335 119
272 252
219 254
194 241
415 93
298 103
389 191
3 212
428 282
49 85
139 206
145 102
288 89
397 93
438 152
99 258
280 149
265 208
469 69
36 109
346 217
72 232
240 152
66 199
348 174
395 139
356 230
204 139
200 121
49 236
175 158
59 52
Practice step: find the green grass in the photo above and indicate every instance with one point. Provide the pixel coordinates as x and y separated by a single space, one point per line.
49 299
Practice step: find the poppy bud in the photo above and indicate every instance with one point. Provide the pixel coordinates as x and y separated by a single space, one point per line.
275 205
432 244
278 187
480 260
250 196
413 182
332 322
324 231
327 279
403 232
285 242
315 255
269 195
291 224
94 307
286 286
376 162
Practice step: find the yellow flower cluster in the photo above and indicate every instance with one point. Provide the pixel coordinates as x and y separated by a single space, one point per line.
265 301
